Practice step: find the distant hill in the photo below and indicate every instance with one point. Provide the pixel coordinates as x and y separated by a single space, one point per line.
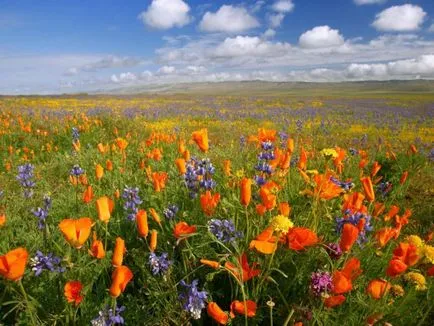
281 88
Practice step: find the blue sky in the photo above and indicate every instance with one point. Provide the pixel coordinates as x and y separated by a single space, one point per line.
61 46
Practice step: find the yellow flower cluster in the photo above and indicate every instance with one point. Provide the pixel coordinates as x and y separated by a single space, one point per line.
423 250
418 279
329 153
281 223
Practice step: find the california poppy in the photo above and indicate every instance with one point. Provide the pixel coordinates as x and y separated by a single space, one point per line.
379 208
396 267
334 301
302 162
76 232
104 207
349 236
246 272
403 177
72 292
200 137
290 145
368 188
97 249
210 263
248 308
88 195
182 230
155 216
246 191
354 203
227 167
121 276
375 168
180 163
339 159
99 171
109 165
153 242
342 280
393 210
216 313
378 288
209 202
284 209
2 219
265 242
260 209
121 143
298 238
325 188
159 179
142 223
13 264
384 235
118 252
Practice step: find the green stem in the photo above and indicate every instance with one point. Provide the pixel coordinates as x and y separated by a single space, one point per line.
288 319
26 299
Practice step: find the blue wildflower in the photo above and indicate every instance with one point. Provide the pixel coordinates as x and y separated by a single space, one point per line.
47 262
170 211
159 264
107 317
76 171
224 230
132 201
25 177
354 219
193 300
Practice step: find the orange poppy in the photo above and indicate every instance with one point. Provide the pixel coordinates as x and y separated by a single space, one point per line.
155 216
99 171
13 264
246 272
142 223
2 219
182 230
392 212
76 232
211 263
246 191
290 145
121 276
265 242
180 163
101 148
216 313
88 195
72 292
118 252
284 209
153 242
268 194
325 188
181 147
354 203
334 301
109 165
121 143
209 202
200 137
396 267
227 167
339 159
378 288
375 168
159 179
384 235
379 208
248 308
298 238
302 162
368 188
349 236
413 149
104 207
403 178
266 134
97 249
260 209
407 253
342 280
186 155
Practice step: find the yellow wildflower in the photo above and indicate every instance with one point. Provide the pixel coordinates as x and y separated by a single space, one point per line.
329 153
397 290
415 240
428 253
418 279
281 223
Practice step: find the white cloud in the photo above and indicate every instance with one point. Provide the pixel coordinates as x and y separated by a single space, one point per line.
166 70
283 6
275 20
400 18
321 37
269 33
431 28
244 46
228 19
125 77
165 14
368 2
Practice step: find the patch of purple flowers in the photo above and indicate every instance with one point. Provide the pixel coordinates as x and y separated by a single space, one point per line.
344 185
42 212
321 283
354 219
171 211
224 230
76 171
47 262
334 251
107 317
198 175
193 300
159 264
25 177
132 202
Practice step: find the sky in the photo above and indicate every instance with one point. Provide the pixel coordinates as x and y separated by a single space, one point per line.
63 46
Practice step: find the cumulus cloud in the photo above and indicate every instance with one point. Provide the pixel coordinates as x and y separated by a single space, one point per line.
321 37
165 14
431 28
283 6
275 20
400 18
244 46
166 70
368 2
269 33
228 19
124 77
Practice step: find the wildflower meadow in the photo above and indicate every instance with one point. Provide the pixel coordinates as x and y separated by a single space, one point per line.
216 210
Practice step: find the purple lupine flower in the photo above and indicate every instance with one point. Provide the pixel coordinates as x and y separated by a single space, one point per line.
76 171
25 177
224 230
242 141
344 185
321 283
199 175
47 262
353 151
267 145
170 211
132 201
354 219
159 264
260 180
334 251
385 187
42 212
193 300
264 167
294 161
107 317
75 134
